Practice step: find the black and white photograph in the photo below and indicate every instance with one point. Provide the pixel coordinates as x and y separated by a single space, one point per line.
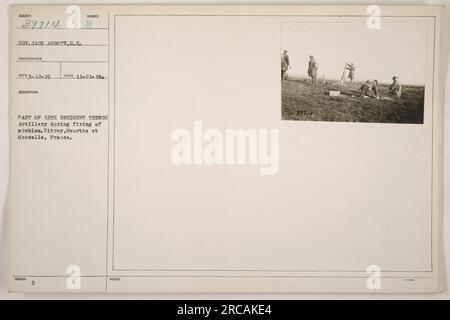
347 71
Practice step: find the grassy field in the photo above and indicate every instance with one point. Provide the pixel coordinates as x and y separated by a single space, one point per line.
301 101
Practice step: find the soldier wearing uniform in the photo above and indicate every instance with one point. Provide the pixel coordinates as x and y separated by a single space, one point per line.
395 89
351 73
284 65
312 70
370 89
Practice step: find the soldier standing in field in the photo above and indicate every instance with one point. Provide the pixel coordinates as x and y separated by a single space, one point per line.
395 89
284 65
312 70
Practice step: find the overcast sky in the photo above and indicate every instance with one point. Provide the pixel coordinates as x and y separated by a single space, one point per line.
398 48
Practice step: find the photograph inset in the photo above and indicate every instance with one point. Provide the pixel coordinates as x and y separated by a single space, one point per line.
343 71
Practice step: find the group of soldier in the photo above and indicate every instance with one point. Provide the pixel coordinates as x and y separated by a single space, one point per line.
312 68
369 89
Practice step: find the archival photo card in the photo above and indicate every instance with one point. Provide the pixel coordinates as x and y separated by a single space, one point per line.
155 149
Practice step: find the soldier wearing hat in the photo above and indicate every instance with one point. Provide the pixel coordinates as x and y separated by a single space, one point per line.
351 74
312 70
395 89
284 65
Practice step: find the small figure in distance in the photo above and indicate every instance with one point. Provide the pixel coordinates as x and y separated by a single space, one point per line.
369 89
351 73
284 65
395 89
312 70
